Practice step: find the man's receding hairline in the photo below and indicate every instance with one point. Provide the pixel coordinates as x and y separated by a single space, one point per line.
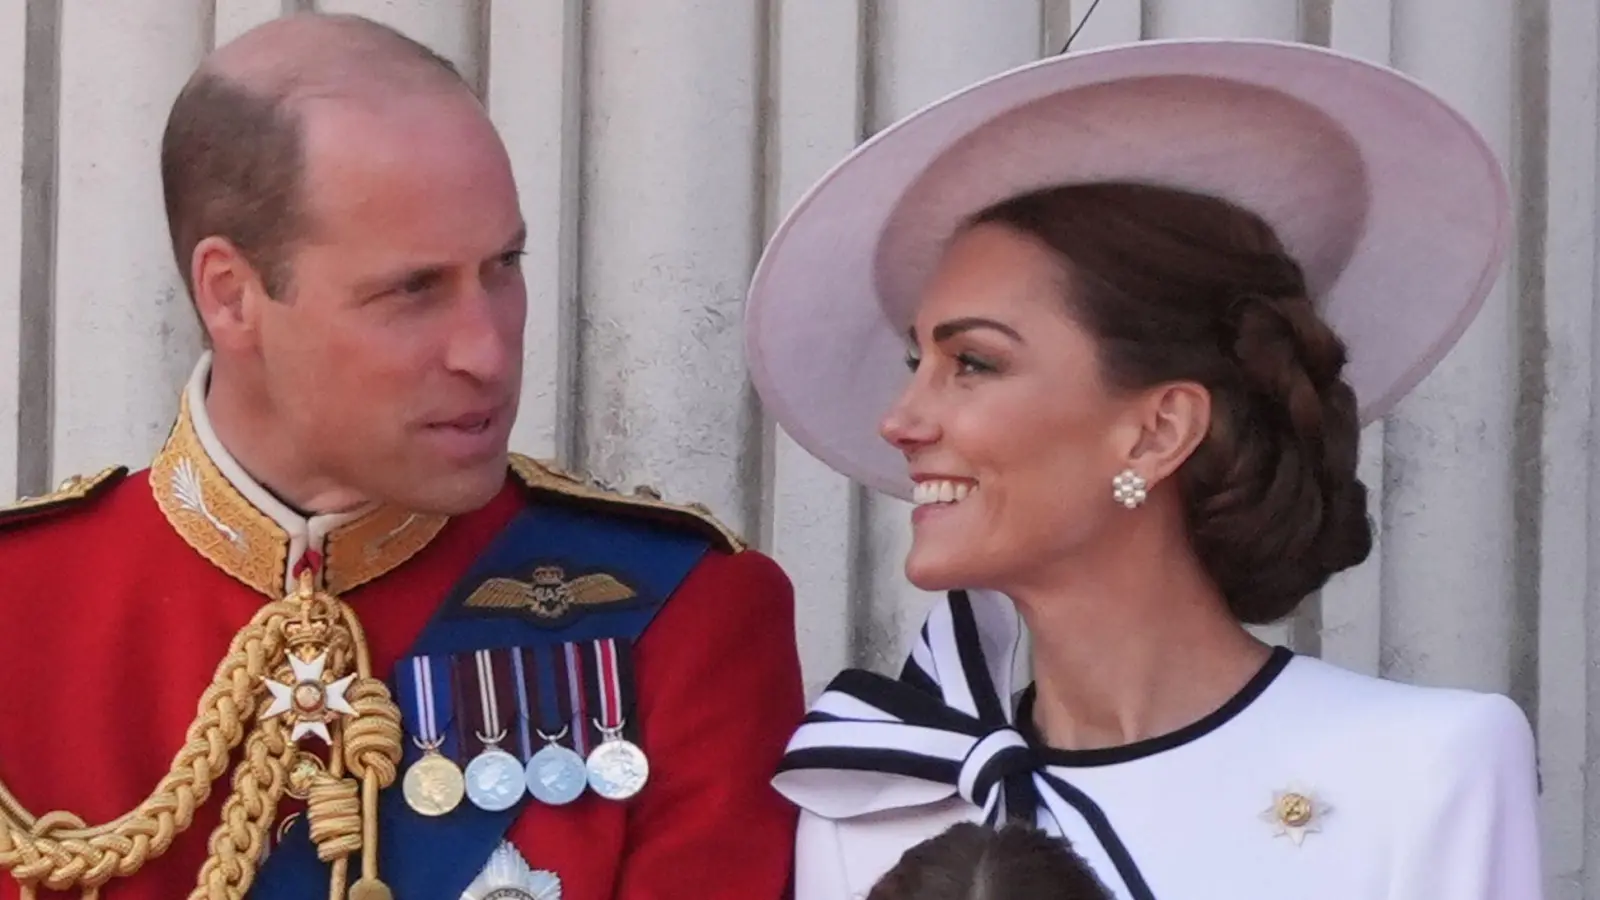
291 82
328 55
253 92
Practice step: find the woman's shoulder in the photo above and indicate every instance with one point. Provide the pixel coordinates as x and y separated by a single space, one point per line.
1447 730
1457 771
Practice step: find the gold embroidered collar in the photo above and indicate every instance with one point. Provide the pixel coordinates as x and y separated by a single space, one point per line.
241 528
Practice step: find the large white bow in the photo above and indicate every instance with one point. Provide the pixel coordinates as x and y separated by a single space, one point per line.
946 726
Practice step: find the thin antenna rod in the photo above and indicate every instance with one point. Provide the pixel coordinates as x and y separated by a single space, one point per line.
1081 22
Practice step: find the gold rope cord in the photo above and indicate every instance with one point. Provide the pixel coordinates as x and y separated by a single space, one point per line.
60 852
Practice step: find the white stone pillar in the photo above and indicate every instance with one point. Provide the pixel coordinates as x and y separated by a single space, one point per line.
1276 19
924 49
1451 607
125 334
534 93
13 52
672 207
453 29
1568 642
1352 603
816 118
234 17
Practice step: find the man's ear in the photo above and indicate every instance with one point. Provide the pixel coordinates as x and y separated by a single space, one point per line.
228 292
1172 420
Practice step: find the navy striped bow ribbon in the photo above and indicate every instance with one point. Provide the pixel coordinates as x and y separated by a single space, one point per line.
945 727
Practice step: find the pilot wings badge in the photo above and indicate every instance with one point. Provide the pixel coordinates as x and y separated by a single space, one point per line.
549 594
509 877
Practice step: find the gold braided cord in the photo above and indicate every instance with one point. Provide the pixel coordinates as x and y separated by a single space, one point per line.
59 851
372 750
334 811
247 814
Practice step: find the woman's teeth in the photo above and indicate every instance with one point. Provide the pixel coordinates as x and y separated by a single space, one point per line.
939 491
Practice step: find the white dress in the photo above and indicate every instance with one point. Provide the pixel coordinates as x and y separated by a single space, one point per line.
1313 783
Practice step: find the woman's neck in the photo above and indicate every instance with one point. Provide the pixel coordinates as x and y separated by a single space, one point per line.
1122 653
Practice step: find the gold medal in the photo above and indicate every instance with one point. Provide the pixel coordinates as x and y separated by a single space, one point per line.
434 785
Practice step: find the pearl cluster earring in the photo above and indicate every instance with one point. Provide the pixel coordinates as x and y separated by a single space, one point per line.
1128 488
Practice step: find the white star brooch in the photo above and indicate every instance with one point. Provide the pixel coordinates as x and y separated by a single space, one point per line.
308 702
507 875
1294 813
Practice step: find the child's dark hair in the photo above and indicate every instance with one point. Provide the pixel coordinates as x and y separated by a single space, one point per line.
971 862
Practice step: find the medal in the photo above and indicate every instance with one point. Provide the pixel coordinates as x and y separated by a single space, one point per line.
433 785
507 876
495 779
617 768
555 775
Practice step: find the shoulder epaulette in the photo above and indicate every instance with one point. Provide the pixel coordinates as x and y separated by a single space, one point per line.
547 479
73 492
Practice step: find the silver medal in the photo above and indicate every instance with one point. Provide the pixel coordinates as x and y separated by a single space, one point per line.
617 768
556 775
494 777
494 780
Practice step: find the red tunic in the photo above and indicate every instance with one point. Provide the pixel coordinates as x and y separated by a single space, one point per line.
113 625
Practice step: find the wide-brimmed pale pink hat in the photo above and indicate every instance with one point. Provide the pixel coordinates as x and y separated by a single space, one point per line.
1390 200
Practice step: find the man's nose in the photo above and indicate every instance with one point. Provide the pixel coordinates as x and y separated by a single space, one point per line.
483 339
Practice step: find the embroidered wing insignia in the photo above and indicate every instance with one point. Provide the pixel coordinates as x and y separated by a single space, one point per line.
501 593
594 590
549 594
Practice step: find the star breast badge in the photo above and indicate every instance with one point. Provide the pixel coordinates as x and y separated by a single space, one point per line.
507 876
1295 813
549 594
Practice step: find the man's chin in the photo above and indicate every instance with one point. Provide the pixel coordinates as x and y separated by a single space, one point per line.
456 493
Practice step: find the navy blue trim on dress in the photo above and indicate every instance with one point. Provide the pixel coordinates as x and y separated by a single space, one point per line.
867 722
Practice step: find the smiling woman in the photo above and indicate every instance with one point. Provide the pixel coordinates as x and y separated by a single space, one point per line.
1152 293
1171 330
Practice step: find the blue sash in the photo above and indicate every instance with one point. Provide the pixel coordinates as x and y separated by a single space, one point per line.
423 858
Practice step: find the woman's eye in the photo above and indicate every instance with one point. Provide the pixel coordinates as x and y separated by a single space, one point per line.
966 364
972 365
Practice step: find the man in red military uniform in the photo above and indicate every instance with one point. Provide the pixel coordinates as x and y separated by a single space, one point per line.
335 640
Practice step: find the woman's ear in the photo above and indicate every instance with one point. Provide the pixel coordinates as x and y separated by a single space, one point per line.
1172 420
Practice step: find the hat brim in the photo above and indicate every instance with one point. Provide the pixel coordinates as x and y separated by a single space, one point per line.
1392 202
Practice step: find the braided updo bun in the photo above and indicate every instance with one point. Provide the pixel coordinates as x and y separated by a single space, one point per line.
1178 286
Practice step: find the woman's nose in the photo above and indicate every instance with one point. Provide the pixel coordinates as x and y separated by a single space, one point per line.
906 426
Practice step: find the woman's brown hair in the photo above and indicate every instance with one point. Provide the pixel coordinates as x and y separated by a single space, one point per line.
971 862
1178 286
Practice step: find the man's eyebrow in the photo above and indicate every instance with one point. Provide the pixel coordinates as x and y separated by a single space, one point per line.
518 239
